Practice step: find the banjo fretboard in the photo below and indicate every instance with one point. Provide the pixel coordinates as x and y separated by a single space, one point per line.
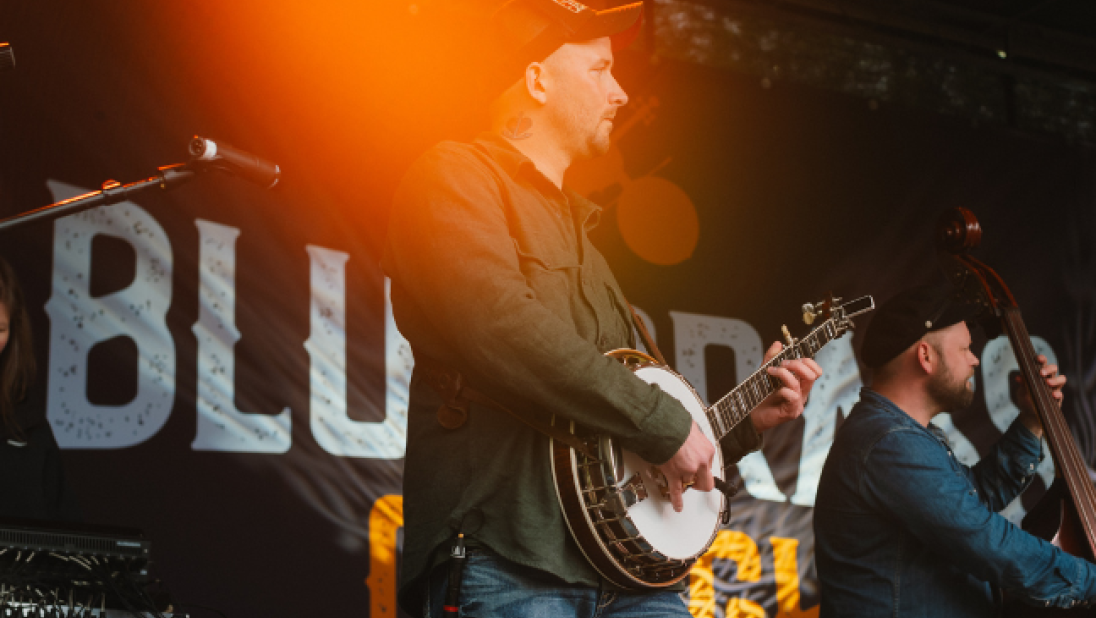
737 404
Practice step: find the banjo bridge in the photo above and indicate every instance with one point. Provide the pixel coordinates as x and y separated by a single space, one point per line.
634 490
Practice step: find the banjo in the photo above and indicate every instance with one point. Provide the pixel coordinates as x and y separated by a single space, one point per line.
617 506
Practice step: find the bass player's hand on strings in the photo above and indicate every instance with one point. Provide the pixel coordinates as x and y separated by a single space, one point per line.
690 465
786 404
1022 396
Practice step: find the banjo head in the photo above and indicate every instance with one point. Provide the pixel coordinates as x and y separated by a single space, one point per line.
614 503
688 534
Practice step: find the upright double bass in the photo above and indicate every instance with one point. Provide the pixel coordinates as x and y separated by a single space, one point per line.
1068 509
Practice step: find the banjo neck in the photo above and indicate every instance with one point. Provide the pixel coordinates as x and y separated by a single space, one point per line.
736 405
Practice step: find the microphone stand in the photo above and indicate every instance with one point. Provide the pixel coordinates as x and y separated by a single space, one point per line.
170 177
206 154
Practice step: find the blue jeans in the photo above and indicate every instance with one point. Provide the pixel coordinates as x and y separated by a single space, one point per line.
496 588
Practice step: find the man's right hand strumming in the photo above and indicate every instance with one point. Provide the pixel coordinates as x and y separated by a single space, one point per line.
691 465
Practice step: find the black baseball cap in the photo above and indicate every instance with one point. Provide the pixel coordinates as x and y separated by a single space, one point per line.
527 31
911 314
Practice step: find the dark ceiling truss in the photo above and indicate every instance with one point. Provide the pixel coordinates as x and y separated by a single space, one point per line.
949 28
1024 64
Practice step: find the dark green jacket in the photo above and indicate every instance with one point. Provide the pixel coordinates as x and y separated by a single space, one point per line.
493 275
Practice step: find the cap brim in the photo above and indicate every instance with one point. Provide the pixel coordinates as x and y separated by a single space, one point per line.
955 313
614 22
624 38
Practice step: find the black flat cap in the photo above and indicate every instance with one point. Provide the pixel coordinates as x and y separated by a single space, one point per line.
911 314
525 31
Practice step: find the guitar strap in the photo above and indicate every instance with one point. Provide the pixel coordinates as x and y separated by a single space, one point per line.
457 396
648 341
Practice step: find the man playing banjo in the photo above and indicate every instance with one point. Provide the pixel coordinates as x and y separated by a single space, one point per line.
494 279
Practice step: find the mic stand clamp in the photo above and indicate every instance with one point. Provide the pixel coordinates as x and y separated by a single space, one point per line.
170 177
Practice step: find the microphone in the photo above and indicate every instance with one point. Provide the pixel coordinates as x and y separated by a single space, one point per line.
7 57
243 164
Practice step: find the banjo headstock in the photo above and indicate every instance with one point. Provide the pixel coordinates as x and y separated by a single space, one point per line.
837 320
841 314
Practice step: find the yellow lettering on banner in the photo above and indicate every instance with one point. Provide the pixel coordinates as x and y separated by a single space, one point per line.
385 521
743 608
786 566
728 545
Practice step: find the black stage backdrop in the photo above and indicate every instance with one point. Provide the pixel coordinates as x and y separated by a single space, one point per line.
218 362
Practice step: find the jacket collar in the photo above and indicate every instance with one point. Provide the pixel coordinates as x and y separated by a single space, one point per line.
503 152
885 405
514 163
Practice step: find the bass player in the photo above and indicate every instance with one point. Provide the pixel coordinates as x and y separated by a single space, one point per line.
902 528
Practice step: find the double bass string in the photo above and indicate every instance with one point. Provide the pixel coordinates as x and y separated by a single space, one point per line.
1054 423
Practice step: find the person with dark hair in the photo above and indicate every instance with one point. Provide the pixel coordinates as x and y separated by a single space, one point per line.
494 276
17 364
901 527
32 480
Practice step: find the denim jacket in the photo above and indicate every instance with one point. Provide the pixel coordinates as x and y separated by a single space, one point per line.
903 529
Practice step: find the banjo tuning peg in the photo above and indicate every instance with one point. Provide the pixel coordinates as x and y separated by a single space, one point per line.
809 314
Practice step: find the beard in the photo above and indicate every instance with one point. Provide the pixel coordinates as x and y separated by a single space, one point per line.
599 141
584 131
949 393
590 142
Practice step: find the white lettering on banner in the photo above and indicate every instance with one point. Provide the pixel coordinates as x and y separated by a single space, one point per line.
399 363
837 389
79 321
997 361
221 426
693 333
333 430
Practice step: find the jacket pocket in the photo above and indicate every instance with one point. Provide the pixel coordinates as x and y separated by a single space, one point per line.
550 275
